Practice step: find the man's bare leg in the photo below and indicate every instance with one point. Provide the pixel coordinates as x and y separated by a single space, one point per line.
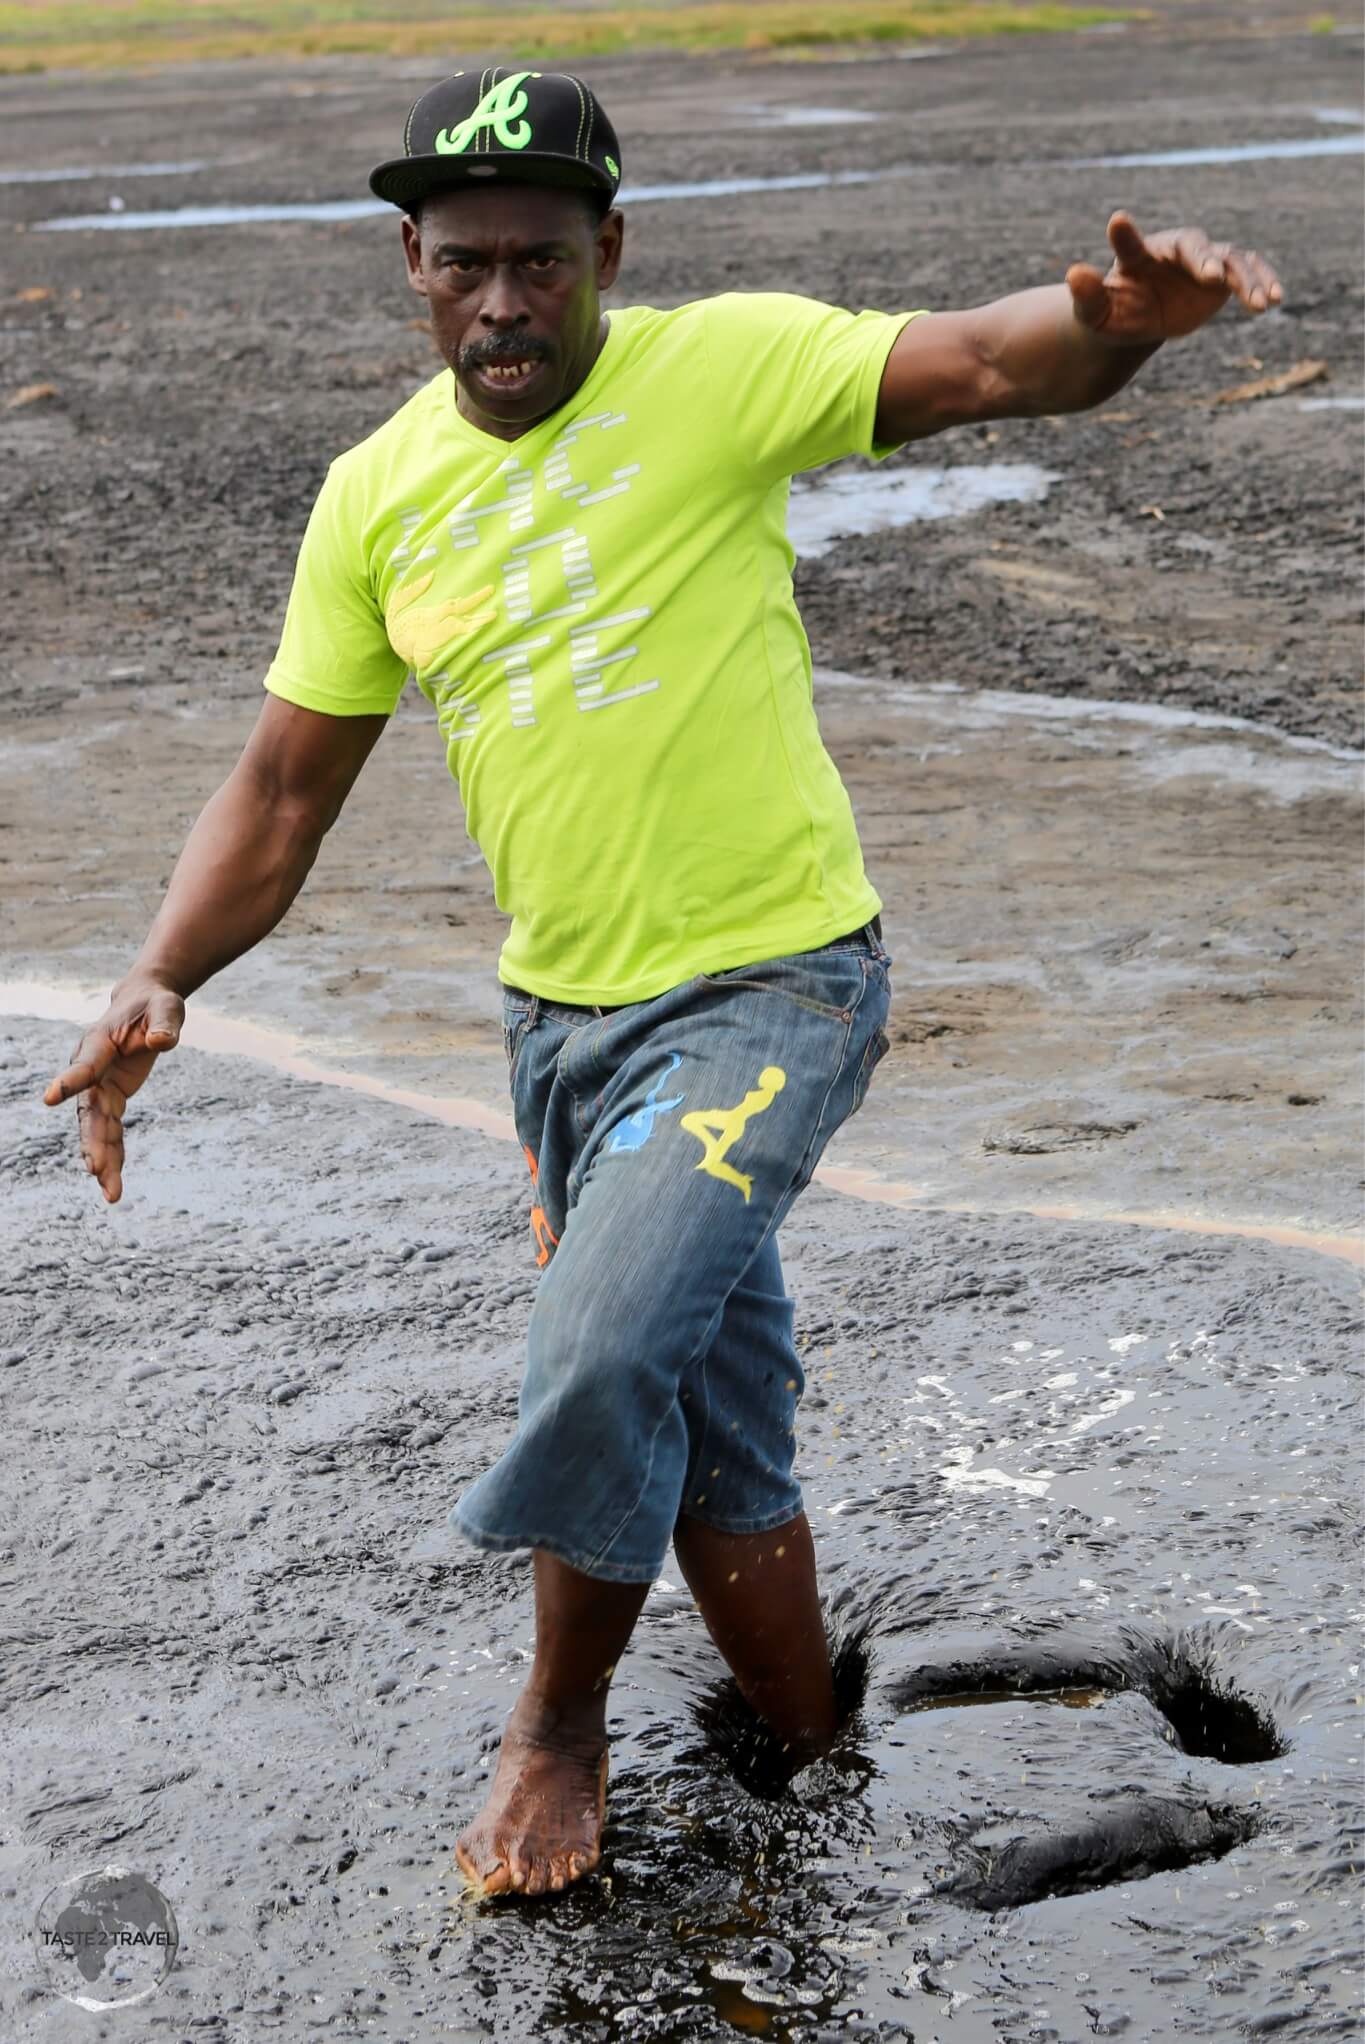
542 1824
758 1597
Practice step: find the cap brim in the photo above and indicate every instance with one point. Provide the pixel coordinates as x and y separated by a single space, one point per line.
409 178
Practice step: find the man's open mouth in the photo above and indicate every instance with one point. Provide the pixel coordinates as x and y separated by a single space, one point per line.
510 375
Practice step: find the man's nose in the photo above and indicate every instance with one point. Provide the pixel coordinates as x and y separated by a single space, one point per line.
503 305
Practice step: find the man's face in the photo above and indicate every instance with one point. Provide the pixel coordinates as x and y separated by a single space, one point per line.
513 277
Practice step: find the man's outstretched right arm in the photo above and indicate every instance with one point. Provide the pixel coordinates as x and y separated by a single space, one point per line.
243 863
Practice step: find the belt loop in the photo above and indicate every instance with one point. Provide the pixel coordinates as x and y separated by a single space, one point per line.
534 1014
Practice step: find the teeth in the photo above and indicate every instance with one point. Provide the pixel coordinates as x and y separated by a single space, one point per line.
508 372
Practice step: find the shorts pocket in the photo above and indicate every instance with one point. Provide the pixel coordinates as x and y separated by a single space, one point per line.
879 1043
827 982
515 1018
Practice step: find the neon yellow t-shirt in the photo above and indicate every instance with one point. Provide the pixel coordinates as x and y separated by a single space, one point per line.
601 612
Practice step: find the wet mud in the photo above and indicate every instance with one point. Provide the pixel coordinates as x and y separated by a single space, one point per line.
1084 1488
1087 1522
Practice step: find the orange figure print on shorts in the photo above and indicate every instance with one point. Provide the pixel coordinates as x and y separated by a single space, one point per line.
546 1239
716 1128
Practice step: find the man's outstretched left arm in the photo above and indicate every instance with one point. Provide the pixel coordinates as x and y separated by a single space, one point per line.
1065 347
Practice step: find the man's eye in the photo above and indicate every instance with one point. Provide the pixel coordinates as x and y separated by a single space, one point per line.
546 262
463 266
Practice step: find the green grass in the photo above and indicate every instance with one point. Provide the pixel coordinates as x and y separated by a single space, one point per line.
117 34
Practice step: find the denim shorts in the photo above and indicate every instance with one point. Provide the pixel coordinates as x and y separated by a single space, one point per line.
666 1141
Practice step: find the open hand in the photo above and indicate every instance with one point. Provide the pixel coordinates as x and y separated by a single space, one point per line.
111 1061
1162 286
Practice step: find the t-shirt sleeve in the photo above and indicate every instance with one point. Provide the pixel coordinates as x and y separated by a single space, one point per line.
796 382
334 653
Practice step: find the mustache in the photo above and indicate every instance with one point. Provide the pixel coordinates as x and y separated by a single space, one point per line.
503 348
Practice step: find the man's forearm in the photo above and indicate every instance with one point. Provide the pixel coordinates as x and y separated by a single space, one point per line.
243 863
1044 360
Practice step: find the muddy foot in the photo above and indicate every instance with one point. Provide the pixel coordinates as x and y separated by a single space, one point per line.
541 1827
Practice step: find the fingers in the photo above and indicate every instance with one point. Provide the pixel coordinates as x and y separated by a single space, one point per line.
95 1053
153 1027
1237 270
1216 265
112 1060
1199 257
165 1018
1127 243
99 1117
1089 296
1250 276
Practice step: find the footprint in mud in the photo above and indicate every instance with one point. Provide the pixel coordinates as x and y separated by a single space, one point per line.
1042 1139
1120 1835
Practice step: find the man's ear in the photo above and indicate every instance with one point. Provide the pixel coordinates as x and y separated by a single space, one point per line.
609 238
412 249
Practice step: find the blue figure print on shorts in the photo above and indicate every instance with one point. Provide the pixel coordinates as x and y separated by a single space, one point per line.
636 1129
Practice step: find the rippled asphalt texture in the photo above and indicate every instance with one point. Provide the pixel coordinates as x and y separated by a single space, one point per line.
245 1656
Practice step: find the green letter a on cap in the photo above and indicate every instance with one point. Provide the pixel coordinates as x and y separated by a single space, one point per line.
499 110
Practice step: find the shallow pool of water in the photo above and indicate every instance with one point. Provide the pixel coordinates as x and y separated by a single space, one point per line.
806 116
1247 152
701 188
860 502
80 173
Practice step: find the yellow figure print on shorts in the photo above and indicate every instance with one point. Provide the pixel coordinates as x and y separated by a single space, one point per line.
421 636
716 1128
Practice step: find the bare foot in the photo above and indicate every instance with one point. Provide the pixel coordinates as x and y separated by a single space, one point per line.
541 1827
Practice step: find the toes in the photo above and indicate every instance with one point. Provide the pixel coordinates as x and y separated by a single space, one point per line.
491 1882
536 1880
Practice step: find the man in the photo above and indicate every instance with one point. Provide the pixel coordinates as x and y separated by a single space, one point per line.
575 542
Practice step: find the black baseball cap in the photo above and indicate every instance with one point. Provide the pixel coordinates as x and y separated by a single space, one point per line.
499 125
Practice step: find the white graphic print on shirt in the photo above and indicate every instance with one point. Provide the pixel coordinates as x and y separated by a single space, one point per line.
555 568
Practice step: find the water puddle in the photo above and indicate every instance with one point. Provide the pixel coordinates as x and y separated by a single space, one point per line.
857 502
366 209
1261 770
1249 152
1332 404
86 171
703 188
975 710
805 117
221 1035
1345 116
217 216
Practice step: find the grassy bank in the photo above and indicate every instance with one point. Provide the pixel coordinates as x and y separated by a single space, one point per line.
37 35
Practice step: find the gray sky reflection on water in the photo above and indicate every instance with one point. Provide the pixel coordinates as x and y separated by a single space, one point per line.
704 188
